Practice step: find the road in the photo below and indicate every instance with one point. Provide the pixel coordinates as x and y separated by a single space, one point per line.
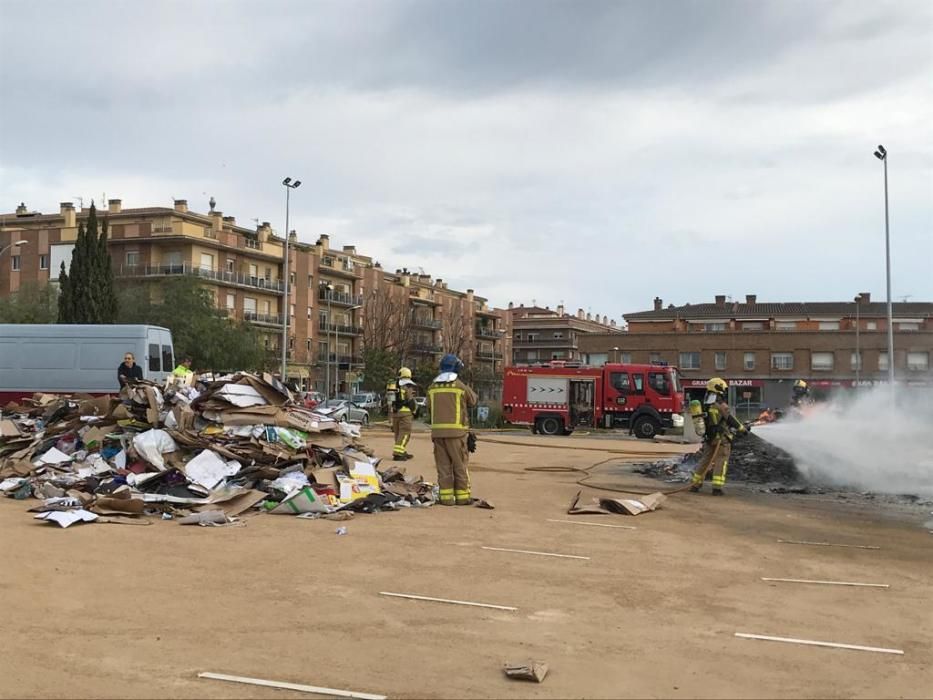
126 611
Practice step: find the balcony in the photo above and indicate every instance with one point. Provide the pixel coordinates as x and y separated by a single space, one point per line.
488 355
427 301
263 319
339 298
426 348
424 322
339 328
545 342
489 333
488 313
333 358
230 279
332 266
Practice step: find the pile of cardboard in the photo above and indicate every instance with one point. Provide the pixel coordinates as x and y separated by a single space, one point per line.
235 446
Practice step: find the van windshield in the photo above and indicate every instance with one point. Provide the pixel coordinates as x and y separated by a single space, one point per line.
360 398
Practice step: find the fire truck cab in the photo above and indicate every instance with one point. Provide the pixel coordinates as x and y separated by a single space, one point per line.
558 397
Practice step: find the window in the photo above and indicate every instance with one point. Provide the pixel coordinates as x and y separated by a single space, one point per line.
207 261
714 327
855 360
291 278
882 361
782 360
786 325
518 336
231 265
918 361
639 381
720 358
291 343
690 360
310 281
291 309
749 360
309 313
909 326
254 273
168 360
753 326
231 302
871 325
558 355
821 361
558 335
659 382
154 364
16 262
829 325
249 305
620 381
43 262
322 354
268 274
532 337
264 307
626 358
654 358
132 258
308 344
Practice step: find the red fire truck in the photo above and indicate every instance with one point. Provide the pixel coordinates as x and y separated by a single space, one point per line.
557 397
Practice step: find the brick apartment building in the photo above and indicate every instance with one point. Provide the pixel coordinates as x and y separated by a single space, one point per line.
243 269
542 334
761 348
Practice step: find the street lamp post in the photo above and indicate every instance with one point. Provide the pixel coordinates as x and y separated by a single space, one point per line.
882 155
858 351
289 186
16 244
330 295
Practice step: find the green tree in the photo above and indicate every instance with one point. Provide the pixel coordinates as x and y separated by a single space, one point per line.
381 367
214 342
87 287
31 303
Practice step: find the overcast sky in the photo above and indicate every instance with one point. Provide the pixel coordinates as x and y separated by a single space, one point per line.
596 153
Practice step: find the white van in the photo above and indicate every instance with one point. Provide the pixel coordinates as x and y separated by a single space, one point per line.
72 358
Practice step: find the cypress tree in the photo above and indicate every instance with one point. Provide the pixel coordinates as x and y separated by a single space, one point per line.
65 304
107 293
87 292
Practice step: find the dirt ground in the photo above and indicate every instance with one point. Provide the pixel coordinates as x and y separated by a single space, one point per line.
137 612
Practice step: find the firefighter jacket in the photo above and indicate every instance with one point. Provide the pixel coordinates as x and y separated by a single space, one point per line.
404 400
450 404
720 423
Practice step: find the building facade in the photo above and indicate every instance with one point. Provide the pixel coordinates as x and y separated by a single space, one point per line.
762 348
330 290
542 334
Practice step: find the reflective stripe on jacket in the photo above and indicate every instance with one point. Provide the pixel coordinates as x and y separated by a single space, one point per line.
450 404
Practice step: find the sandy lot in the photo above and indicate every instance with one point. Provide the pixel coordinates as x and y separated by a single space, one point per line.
127 611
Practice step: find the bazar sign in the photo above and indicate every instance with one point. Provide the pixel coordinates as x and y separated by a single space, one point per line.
701 383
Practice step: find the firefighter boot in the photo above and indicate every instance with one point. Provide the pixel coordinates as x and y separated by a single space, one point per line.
695 488
717 492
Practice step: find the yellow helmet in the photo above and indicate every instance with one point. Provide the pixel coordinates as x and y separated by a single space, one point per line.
404 373
800 384
717 386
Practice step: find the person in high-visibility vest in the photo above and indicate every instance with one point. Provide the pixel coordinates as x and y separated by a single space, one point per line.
449 401
720 428
184 368
403 410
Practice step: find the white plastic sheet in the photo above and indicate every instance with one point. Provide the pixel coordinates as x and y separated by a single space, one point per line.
208 469
152 444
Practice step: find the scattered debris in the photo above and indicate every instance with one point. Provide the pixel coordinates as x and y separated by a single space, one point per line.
451 602
625 506
827 583
810 642
582 522
829 544
292 686
540 554
212 452
527 671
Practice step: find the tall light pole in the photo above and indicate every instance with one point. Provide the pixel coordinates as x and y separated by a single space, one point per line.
858 351
289 186
17 244
329 288
882 155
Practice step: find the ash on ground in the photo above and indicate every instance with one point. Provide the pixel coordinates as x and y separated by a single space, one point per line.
753 460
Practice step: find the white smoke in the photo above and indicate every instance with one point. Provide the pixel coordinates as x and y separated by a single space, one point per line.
866 443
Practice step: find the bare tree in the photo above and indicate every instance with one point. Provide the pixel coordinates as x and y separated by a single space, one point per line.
387 324
456 334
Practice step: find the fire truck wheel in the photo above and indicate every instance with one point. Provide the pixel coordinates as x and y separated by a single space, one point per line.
646 428
550 426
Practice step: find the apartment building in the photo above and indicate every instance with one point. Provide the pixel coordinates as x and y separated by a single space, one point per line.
542 334
243 269
762 348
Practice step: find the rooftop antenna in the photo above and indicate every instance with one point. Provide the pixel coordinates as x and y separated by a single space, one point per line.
80 201
905 297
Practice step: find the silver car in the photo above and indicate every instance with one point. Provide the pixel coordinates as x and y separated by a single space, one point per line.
341 409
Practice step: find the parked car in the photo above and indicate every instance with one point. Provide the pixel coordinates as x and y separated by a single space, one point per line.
421 403
367 400
341 409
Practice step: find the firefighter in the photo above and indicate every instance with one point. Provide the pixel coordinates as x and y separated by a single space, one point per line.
720 428
800 393
403 412
450 400
391 398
